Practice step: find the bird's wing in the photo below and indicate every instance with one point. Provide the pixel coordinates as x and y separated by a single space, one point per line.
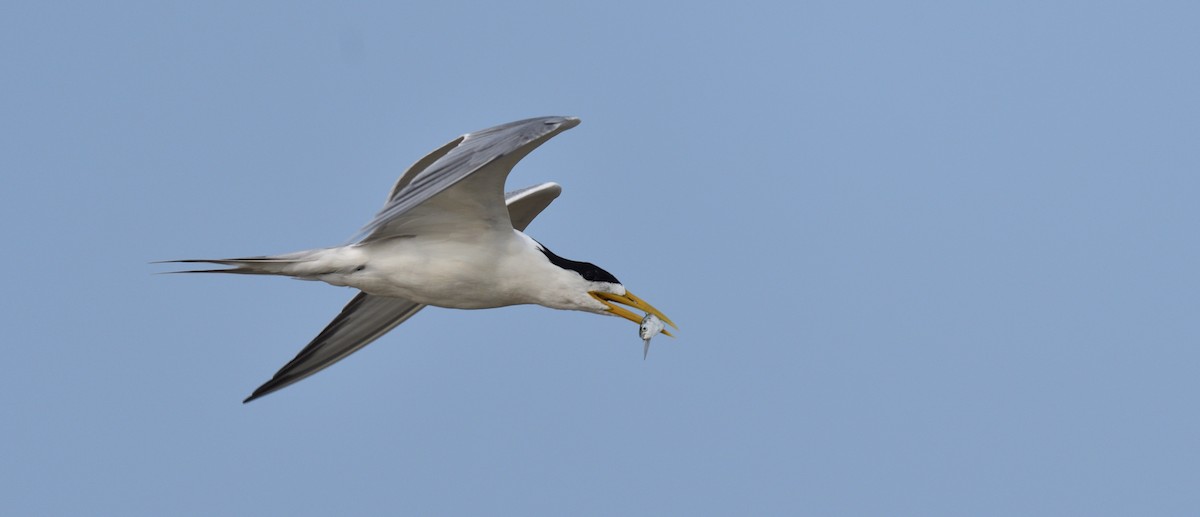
362 321
527 203
460 186
367 317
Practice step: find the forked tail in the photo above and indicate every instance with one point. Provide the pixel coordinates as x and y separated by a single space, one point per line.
308 264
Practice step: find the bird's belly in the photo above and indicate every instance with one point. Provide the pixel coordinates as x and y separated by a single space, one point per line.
443 274
458 291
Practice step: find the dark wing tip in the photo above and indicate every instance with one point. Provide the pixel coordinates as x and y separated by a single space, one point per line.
280 380
267 388
286 376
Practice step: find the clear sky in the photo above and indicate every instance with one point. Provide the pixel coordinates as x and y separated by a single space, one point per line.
928 258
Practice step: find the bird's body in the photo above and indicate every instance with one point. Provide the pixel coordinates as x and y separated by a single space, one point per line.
480 272
469 271
450 237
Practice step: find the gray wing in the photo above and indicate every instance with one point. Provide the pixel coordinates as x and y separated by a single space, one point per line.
367 317
361 321
527 203
460 186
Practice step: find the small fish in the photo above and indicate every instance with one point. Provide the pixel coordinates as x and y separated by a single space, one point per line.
649 328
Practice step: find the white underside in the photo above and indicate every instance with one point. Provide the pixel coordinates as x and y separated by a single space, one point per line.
475 271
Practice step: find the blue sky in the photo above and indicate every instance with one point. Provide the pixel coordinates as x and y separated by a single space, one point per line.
928 259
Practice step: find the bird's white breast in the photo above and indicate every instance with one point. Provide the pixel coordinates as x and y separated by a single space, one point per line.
465 272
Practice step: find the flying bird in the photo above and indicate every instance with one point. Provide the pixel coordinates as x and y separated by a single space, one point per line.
448 236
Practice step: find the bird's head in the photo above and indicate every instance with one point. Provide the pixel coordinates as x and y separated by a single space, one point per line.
605 294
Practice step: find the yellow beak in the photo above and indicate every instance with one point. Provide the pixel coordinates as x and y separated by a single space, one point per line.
632 301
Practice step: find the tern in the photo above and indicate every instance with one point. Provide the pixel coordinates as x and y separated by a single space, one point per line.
448 236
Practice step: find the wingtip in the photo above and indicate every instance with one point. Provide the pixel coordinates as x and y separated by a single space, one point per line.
267 388
253 396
